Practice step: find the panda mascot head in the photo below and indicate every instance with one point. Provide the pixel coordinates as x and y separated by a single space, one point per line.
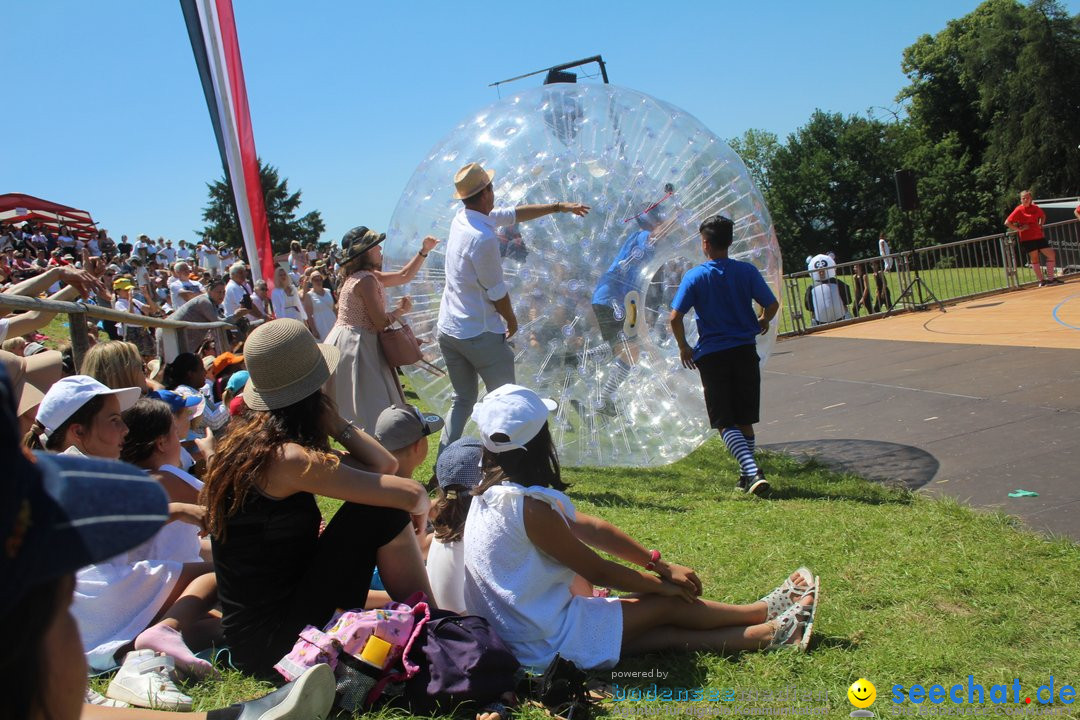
821 267
827 297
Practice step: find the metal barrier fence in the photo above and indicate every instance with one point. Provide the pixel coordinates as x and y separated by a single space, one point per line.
77 313
945 273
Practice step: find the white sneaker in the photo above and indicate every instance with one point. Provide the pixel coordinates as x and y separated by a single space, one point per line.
96 698
145 680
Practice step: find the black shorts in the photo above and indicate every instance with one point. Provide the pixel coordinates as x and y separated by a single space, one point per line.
732 382
610 326
1030 246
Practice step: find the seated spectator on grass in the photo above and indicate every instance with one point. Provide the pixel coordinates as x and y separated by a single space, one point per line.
204 308
117 364
277 574
154 598
31 377
77 282
458 473
186 374
526 543
233 391
221 369
141 336
404 431
194 447
181 287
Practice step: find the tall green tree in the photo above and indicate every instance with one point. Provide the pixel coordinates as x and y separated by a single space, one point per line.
223 226
998 92
830 185
757 148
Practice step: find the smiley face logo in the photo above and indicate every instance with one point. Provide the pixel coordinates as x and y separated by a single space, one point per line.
862 693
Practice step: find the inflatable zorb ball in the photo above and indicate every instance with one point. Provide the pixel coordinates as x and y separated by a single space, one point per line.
592 295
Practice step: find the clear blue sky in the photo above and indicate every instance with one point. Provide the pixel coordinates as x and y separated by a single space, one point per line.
105 112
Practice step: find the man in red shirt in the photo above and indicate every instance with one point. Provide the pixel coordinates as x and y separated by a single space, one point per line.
1027 219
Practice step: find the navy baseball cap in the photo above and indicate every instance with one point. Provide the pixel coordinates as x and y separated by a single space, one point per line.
59 513
459 464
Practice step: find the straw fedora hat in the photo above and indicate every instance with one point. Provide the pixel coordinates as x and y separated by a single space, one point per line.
470 180
285 364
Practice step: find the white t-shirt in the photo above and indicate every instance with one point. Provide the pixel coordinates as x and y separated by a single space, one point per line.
167 255
183 253
176 285
234 293
446 573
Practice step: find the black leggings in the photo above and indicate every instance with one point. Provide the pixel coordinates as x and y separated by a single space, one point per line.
338 577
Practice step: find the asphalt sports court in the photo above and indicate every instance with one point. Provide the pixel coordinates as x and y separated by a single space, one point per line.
977 402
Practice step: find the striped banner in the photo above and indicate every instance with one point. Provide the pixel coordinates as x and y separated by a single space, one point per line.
212 31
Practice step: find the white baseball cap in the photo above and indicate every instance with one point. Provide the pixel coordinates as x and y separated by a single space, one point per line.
67 395
515 411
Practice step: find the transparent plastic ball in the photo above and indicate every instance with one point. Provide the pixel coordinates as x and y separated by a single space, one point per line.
592 294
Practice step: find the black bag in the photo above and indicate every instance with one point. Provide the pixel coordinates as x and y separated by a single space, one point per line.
461 660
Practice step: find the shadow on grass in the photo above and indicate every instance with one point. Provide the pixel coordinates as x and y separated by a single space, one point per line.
610 499
811 479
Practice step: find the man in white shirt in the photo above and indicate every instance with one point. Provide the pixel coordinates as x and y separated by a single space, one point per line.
235 290
476 317
167 254
181 287
184 251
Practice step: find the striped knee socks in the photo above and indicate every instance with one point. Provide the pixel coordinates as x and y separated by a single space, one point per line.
742 449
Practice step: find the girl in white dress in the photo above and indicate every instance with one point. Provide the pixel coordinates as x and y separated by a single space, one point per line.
525 543
285 299
319 304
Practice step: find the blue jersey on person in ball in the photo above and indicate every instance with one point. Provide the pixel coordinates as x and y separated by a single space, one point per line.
620 276
722 292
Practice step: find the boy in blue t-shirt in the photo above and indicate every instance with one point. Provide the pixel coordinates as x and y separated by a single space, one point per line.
721 291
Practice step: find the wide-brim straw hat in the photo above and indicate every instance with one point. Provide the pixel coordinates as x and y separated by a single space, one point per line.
285 364
470 180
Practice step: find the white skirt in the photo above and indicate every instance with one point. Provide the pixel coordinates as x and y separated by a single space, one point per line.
364 384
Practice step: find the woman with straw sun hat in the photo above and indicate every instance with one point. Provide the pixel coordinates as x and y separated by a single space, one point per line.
276 573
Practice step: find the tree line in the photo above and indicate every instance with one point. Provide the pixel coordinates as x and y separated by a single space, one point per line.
992 106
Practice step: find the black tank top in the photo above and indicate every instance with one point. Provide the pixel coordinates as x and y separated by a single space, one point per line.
267 547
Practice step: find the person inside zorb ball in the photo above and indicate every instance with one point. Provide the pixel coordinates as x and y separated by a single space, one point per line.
591 294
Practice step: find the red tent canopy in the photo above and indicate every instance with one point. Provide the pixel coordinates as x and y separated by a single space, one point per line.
16 208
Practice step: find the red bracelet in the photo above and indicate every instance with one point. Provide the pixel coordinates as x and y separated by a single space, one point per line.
654 557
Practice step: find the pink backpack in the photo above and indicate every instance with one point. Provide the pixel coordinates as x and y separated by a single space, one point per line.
347 632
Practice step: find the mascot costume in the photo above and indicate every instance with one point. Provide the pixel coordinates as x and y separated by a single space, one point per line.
828 297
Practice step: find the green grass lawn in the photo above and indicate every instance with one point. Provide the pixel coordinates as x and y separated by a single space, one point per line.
914 590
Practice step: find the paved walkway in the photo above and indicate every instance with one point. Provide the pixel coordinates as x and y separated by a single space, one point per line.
974 403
